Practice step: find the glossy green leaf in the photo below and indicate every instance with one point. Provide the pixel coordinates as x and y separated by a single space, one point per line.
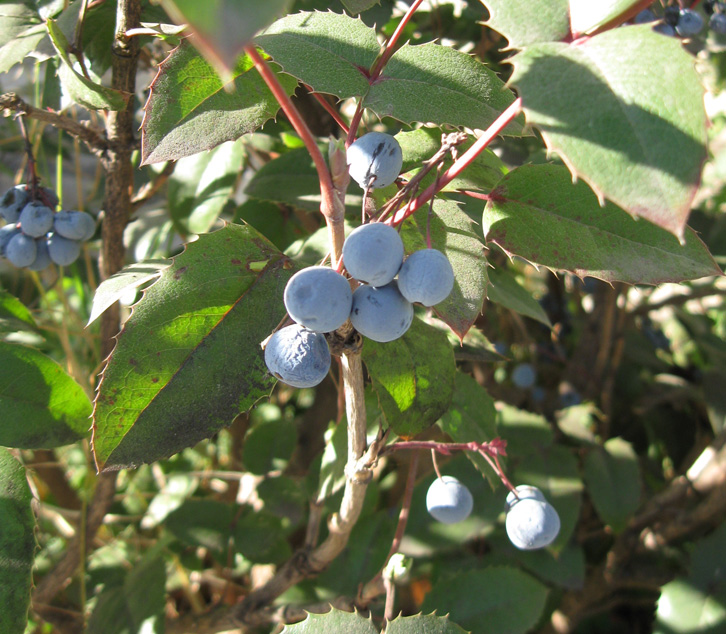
40 405
190 108
612 477
538 214
201 185
471 418
420 623
686 609
413 377
17 545
638 138
82 90
130 277
136 606
328 51
506 291
224 27
587 16
525 22
333 621
438 84
292 179
14 315
210 309
454 234
506 599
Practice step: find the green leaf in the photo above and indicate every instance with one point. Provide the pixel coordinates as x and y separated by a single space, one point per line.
506 291
190 108
506 599
40 405
587 16
358 6
454 234
333 621
471 418
523 430
438 84
613 482
15 17
292 179
638 138
83 91
328 51
525 22
269 445
538 214
201 185
17 545
224 27
335 457
136 606
420 623
708 560
413 377
685 609
259 537
24 43
206 523
130 277
188 360
14 315
176 490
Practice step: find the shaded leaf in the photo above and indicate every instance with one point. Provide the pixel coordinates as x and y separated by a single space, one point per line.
453 233
420 623
269 445
506 291
538 214
613 482
358 6
525 22
259 537
333 621
40 405
132 276
24 43
17 545
191 109
210 309
639 139
14 315
206 523
82 90
506 599
335 457
413 377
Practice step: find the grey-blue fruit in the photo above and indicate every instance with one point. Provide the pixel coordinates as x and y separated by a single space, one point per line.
524 492
532 524
646 15
42 258
12 203
21 250
74 225
524 375
375 160
664 29
381 313
62 250
6 234
689 23
298 356
717 23
448 500
373 253
318 298
426 277
36 219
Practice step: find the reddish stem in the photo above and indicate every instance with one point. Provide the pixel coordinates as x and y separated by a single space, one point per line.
329 109
461 163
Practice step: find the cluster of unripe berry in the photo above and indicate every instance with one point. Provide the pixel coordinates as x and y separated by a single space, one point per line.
35 235
319 300
531 522
686 22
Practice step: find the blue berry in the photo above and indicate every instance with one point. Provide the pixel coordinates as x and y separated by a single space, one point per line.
12 203
62 250
6 234
524 492
717 23
74 225
664 29
318 298
375 160
21 250
532 524
373 253
426 277
646 15
381 313
524 375
36 219
689 23
298 356
448 500
42 259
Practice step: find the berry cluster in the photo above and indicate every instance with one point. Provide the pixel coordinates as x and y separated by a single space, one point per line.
35 235
685 22
320 300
